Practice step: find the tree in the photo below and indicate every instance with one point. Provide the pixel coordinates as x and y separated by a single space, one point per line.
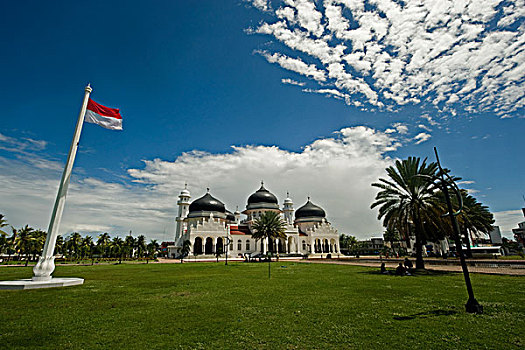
3 223
347 242
391 235
23 240
152 248
185 250
117 248
37 243
474 218
59 245
406 200
87 247
103 243
140 244
268 226
129 245
4 242
74 242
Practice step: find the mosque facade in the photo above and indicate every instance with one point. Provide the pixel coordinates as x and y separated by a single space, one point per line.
212 229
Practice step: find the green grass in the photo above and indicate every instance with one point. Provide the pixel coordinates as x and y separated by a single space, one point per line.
303 306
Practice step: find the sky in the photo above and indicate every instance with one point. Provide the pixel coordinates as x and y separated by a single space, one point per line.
315 98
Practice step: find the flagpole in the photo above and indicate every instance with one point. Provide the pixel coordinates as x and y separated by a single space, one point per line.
46 264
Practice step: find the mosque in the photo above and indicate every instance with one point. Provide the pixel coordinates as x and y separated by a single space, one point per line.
212 229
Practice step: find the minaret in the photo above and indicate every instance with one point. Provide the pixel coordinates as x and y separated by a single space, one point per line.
184 204
237 215
288 209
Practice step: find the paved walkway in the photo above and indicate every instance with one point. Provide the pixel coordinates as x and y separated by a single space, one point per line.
450 268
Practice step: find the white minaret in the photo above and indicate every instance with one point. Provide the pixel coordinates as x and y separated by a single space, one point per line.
184 204
288 209
237 215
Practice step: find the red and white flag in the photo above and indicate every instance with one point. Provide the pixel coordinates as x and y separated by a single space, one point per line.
106 117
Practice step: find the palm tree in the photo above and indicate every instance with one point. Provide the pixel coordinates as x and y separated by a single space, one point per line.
103 242
23 241
474 218
268 226
3 223
87 247
152 247
75 241
406 200
117 248
129 245
37 244
391 235
4 242
140 244
59 245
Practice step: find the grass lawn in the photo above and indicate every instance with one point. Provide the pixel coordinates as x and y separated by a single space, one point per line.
303 306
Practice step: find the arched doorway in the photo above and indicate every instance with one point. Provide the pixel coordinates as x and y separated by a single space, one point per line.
208 248
197 246
219 248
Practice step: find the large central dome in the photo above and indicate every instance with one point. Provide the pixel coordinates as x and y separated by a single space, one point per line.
262 199
207 203
262 195
309 210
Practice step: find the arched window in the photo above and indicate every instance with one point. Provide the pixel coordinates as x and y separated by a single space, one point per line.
248 244
239 245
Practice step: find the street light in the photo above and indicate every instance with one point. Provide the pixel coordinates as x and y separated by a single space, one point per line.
472 305
228 240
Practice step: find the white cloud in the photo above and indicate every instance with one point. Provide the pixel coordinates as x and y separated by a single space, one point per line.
401 128
507 220
335 171
447 53
295 65
21 144
466 182
262 5
422 137
292 82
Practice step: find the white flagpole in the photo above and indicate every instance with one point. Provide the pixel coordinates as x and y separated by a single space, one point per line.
46 264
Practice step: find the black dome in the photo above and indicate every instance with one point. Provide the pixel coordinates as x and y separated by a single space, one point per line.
309 210
262 196
207 203
229 215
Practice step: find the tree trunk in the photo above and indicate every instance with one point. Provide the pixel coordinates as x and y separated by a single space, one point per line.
420 264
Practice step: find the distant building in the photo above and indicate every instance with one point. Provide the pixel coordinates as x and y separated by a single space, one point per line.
212 229
495 236
373 246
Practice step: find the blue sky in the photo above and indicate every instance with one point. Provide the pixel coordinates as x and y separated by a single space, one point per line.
316 99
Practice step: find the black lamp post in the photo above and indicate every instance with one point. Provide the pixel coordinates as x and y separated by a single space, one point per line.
472 305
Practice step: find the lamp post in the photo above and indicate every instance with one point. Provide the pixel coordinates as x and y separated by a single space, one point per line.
472 305
228 240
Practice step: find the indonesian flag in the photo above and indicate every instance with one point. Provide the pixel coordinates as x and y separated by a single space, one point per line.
106 117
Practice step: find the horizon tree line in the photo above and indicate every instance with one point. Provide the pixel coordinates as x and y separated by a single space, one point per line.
27 243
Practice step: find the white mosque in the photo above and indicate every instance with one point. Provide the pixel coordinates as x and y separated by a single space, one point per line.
211 228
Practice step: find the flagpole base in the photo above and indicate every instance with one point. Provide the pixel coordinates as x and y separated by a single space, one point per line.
34 284
44 268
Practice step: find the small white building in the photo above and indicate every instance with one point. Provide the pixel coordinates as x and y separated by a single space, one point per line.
208 226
